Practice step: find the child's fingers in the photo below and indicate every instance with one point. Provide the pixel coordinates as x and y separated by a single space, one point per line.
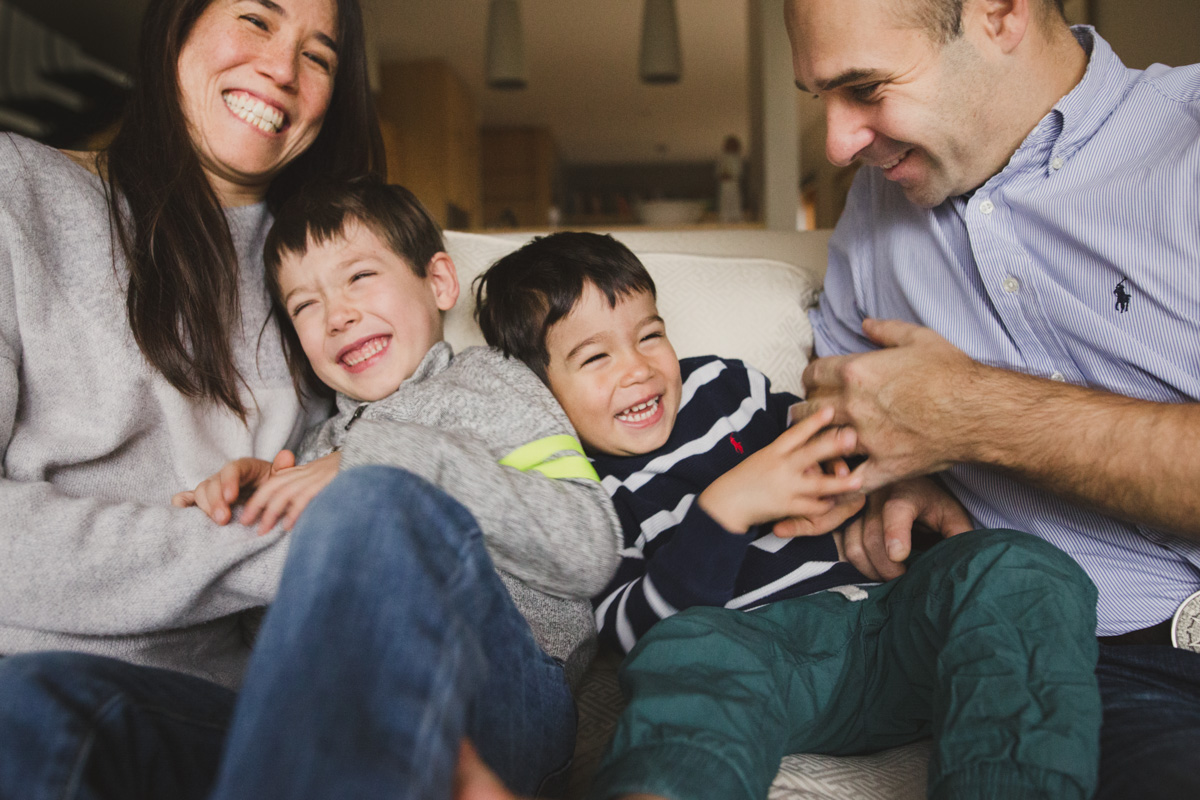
254 506
184 499
837 466
830 485
304 496
295 509
844 507
808 427
826 446
807 506
276 505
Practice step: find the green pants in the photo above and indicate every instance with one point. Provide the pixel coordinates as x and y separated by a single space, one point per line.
987 644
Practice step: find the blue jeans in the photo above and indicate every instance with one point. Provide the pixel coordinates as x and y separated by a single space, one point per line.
391 639
1150 736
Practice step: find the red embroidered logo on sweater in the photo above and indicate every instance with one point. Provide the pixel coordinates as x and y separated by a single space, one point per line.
736 444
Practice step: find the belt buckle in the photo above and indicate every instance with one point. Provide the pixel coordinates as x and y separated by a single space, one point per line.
1185 625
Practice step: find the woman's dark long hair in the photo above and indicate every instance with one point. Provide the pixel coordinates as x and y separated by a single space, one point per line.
183 270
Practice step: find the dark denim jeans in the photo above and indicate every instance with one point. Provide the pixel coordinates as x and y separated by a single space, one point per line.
1150 735
391 638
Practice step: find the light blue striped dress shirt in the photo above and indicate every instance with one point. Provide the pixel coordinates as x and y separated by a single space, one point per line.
1024 274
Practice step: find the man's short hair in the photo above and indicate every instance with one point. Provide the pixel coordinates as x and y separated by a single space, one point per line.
523 294
943 18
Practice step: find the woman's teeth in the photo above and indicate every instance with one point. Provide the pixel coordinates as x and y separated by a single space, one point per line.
363 353
267 119
639 412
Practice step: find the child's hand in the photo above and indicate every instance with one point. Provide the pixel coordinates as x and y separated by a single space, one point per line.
216 495
288 491
845 507
784 479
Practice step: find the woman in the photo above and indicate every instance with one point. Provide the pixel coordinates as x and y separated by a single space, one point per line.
134 362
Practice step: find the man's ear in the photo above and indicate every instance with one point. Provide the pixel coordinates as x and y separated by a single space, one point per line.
1001 23
442 276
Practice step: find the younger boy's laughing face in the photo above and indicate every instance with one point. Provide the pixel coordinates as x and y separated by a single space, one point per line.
364 318
614 372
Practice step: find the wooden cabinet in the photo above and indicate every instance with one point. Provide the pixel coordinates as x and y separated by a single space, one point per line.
430 127
520 169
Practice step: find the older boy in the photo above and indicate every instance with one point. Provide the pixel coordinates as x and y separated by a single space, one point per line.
360 280
699 460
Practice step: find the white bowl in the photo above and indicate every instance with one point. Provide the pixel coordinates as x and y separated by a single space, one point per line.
670 212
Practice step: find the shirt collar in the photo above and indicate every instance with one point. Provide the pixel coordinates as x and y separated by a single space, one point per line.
436 360
1079 114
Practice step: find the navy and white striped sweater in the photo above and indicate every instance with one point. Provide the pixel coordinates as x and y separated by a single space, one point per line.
674 554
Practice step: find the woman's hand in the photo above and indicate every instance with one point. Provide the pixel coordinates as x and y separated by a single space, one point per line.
286 493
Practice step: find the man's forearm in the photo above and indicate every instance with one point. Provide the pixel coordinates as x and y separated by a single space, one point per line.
1133 459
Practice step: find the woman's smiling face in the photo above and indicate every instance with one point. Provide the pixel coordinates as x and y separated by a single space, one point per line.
255 79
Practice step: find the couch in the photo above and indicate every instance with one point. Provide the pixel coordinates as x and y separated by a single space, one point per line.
743 294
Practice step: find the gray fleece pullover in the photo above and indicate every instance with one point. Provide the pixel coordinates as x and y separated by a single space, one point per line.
451 423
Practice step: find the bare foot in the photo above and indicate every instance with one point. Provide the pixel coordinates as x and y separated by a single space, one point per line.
474 781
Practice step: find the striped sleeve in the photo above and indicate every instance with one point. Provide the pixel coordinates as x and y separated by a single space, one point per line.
697 566
675 555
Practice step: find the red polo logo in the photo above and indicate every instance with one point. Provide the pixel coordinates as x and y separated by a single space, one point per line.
736 444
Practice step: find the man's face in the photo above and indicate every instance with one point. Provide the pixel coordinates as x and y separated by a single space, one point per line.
896 99
615 374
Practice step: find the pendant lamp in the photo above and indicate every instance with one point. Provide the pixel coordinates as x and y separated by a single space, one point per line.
505 46
660 60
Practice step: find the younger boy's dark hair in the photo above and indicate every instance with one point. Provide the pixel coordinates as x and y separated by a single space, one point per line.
322 213
530 289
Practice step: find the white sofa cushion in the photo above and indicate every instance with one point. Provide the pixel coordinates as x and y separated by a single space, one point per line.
748 308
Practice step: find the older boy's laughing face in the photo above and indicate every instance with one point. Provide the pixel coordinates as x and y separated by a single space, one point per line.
364 318
614 372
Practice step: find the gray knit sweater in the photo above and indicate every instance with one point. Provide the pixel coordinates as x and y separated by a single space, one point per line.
94 443
554 542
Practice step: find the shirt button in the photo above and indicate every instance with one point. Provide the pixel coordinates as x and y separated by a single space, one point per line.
1058 376
1011 285
1056 163
987 207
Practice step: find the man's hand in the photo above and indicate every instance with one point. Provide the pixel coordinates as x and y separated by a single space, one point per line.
284 495
216 495
902 401
783 479
878 542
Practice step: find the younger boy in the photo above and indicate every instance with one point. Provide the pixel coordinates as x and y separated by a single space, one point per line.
987 642
360 280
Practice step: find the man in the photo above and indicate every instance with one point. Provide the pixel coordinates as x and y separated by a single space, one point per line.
1013 300
1017 176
